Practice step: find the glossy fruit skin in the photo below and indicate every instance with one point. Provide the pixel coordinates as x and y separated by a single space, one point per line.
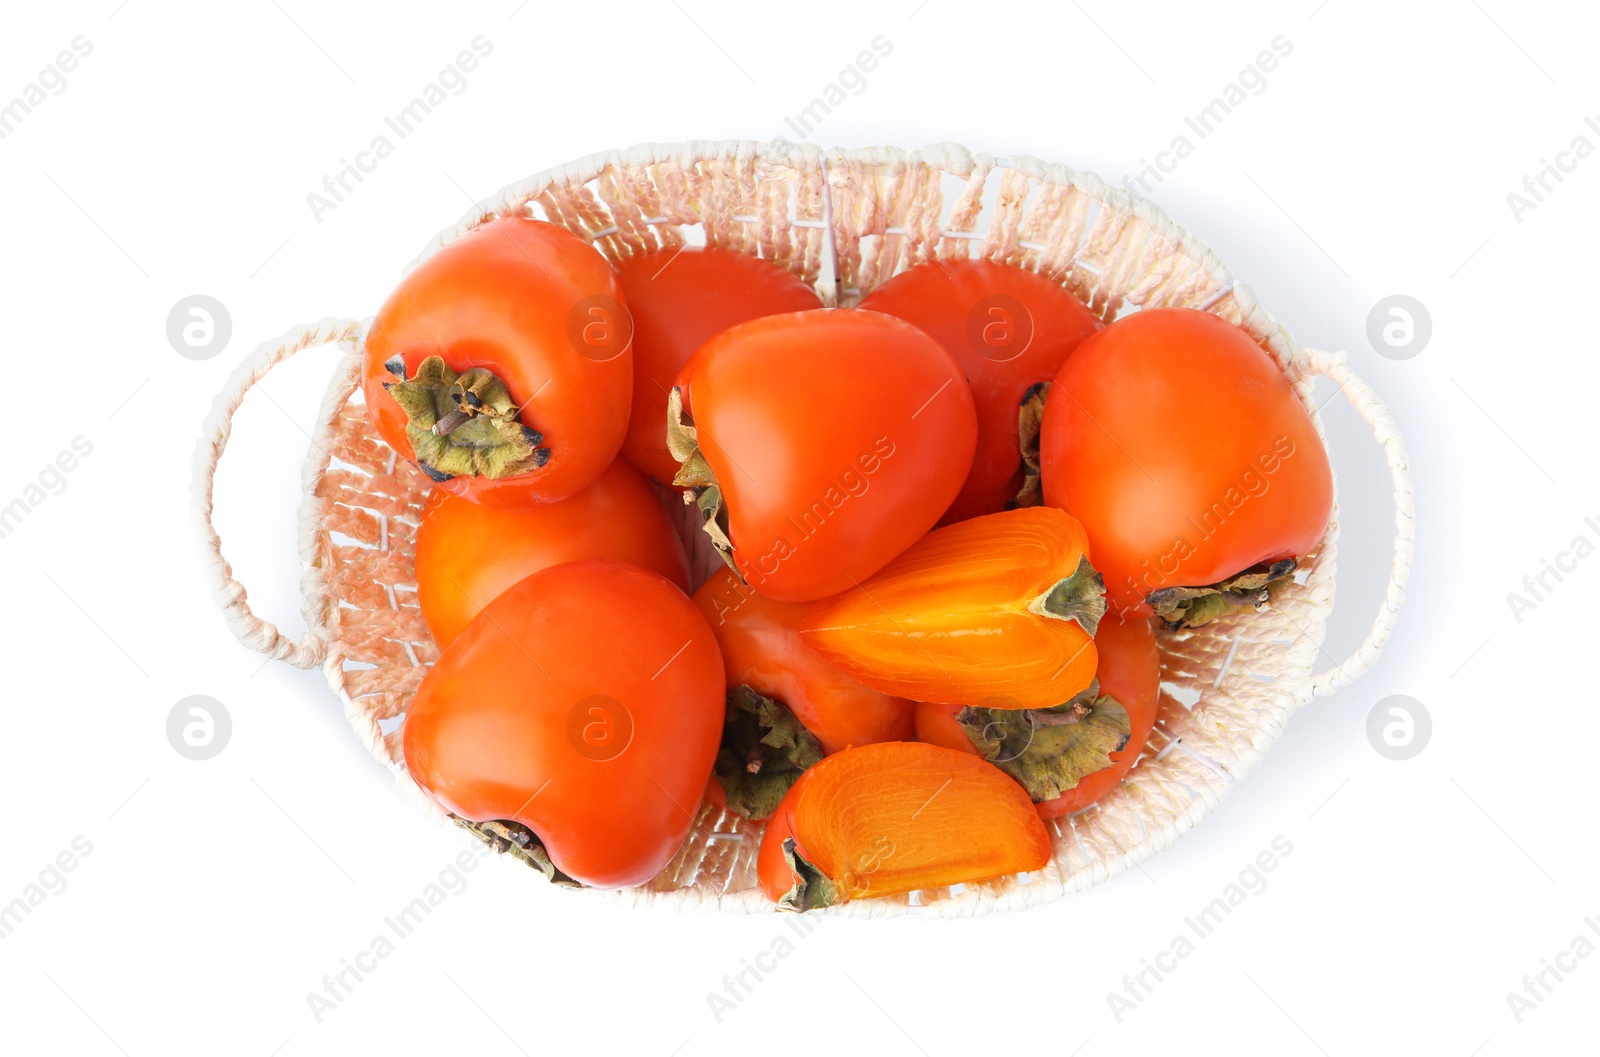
715 795
467 553
762 649
936 725
513 296
1009 329
951 619
1180 445
586 702
838 437
681 298
1129 670
900 816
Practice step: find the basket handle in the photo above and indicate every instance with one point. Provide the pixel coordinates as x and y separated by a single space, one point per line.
258 634
1336 368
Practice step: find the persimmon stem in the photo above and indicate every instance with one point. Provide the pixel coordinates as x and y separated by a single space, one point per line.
1193 607
1049 750
812 888
1030 417
698 480
465 423
1081 597
764 750
447 425
1075 713
520 842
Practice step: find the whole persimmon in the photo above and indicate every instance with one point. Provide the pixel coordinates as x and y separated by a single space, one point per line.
584 706
1190 460
503 365
467 553
679 299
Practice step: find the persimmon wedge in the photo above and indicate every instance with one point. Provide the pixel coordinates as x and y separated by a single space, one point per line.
999 611
895 817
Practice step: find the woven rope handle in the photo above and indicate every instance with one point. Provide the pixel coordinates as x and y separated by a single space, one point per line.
1336 368
256 633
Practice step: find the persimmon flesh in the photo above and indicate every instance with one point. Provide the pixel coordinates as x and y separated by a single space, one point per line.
897 817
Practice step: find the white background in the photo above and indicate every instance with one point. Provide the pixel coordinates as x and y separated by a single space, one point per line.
1377 160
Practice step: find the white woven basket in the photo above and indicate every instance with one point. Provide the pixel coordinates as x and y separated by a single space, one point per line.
845 221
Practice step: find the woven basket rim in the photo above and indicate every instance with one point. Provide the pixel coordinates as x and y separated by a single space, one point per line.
949 155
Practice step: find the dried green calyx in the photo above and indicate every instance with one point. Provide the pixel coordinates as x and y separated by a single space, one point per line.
764 749
1030 419
464 424
812 889
1049 750
1191 607
1081 597
696 476
507 837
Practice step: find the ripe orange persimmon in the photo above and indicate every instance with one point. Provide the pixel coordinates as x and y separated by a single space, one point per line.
502 365
467 554
1010 330
681 298
896 817
819 445
1000 607
937 724
583 706
1190 460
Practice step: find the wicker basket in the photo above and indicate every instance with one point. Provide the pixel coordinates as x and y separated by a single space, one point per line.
845 221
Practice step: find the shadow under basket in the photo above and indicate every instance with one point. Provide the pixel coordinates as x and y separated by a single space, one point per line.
844 221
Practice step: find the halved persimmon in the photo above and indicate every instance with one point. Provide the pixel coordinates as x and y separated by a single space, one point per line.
998 611
896 817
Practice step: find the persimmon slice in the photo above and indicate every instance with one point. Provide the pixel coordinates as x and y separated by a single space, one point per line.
896 817
999 611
